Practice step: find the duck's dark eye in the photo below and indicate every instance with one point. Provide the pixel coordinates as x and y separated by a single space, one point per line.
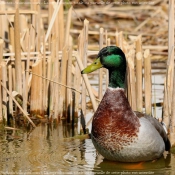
108 53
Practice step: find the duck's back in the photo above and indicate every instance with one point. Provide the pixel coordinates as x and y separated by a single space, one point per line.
118 134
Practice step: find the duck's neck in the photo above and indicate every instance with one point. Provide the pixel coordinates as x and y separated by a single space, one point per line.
117 78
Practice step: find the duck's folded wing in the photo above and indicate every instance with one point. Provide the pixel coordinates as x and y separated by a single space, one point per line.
158 127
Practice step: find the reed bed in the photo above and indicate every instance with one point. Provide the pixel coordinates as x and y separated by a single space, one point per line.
40 66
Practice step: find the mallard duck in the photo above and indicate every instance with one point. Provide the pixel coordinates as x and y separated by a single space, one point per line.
119 133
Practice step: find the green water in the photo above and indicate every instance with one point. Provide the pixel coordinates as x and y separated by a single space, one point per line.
51 150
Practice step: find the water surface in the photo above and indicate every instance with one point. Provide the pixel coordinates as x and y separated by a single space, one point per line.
53 149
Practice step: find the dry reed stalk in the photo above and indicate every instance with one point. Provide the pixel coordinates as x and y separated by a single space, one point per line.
147 82
4 94
61 26
23 29
3 22
12 12
38 24
69 80
57 87
24 112
170 61
100 86
18 68
27 68
34 25
1 50
132 80
10 88
68 24
44 65
139 62
12 41
172 124
50 14
172 127
116 38
77 74
171 77
1 116
1 61
36 89
77 80
13 76
68 45
120 40
24 94
83 45
52 95
139 93
49 64
166 116
88 86
63 81
53 13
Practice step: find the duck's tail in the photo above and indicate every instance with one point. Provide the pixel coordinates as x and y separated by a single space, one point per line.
167 141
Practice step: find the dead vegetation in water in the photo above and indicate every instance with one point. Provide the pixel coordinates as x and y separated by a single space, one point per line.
39 42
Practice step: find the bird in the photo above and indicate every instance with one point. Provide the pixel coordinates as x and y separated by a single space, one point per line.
119 133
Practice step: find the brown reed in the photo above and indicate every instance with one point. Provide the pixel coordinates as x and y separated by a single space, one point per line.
139 95
147 82
100 86
18 71
36 89
4 93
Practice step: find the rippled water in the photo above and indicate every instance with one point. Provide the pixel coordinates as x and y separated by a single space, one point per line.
50 149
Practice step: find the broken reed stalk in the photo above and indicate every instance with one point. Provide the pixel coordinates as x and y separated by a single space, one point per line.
69 80
116 38
1 57
139 62
24 112
4 93
44 75
25 95
1 116
57 88
139 93
83 48
132 79
147 82
77 80
18 72
53 18
63 81
120 40
100 87
36 89
10 88
166 117
172 126
88 86
171 76
52 95
170 63
77 74
68 24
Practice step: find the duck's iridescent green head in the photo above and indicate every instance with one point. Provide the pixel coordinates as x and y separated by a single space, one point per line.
113 59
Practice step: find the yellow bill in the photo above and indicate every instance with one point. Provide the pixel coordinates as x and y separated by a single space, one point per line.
94 66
